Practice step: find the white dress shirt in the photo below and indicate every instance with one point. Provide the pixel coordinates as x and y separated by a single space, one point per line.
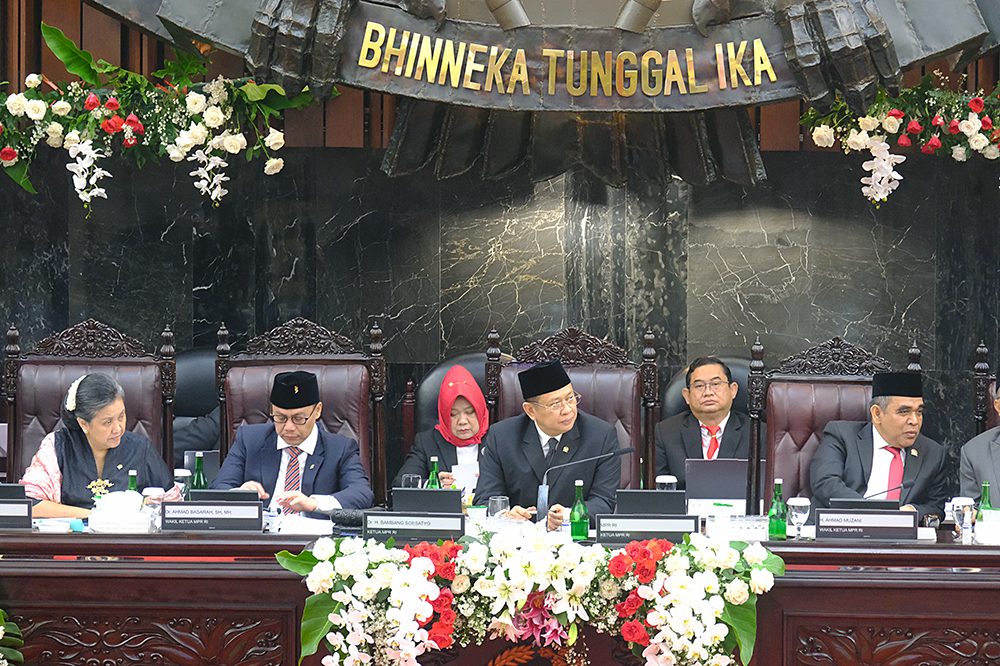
325 503
878 480
707 438
545 440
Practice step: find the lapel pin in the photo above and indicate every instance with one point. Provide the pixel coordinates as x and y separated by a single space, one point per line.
119 466
913 452
311 466
565 449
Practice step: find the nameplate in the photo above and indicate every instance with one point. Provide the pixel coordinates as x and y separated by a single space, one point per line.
615 531
212 516
15 514
413 527
862 524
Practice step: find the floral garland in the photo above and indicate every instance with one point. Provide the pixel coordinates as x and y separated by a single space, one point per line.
939 121
10 640
687 604
204 123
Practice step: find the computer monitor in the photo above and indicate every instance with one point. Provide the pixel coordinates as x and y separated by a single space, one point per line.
651 501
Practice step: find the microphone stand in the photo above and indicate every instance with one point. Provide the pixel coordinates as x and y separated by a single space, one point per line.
542 505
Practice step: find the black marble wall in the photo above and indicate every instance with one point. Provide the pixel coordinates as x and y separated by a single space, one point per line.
797 261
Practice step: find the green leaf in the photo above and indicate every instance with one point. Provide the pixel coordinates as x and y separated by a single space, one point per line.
11 641
774 564
11 655
181 71
316 622
742 620
256 93
301 564
77 62
571 638
19 172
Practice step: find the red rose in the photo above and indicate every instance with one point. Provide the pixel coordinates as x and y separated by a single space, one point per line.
133 122
914 127
633 602
976 104
448 616
953 127
645 571
931 145
897 114
446 570
620 565
903 140
1 129
634 632
444 640
634 550
987 123
937 121
443 602
440 628
113 124
92 102
436 556
8 154
129 142
112 104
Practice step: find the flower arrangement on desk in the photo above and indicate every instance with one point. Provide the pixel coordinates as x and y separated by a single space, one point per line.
202 123
10 640
927 115
692 603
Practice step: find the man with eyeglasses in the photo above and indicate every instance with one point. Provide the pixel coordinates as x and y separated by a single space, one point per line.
552 431
296 463
711 430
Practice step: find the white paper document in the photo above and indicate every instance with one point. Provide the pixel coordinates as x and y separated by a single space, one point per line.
466 476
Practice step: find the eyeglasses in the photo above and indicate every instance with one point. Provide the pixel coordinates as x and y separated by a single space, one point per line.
716 386
557 406
298 419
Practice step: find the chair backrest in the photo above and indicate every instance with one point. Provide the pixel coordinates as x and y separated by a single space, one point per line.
351 386
672 400
612 387
36 383
983 413
828 382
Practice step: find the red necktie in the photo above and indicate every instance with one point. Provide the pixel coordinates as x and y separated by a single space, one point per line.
293 474
713 442
895 472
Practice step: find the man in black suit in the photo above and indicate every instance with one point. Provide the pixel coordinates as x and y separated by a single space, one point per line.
552 431
711 430
859 459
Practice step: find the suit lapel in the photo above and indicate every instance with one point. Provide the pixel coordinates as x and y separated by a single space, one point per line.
448 454
532 449
866 450
569 444
270 463
911 468
313 464
730 438
691 434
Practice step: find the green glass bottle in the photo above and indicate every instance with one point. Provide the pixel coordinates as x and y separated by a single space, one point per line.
777 522
579 519
199 481
985 507
133 480
434 481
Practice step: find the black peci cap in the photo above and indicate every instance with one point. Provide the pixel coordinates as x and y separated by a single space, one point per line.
293 390
543 378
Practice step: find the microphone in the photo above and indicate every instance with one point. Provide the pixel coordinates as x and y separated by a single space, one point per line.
542 505
905 485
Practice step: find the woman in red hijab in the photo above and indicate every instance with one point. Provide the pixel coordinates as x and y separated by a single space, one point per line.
462 422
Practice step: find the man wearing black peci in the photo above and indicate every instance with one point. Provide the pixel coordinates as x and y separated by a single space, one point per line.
552 431
861 459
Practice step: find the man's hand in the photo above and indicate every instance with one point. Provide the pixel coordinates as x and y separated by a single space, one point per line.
520 513
555 518
907 507
253 485
296 501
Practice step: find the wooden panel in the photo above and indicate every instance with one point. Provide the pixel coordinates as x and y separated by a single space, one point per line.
226 64
375 120
345 119
65 15
912 77
388 117
779 126
304 129
102 36
133 60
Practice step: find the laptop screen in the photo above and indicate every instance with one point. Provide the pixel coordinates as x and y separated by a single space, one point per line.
722 478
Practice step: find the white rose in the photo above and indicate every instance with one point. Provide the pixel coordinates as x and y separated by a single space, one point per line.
275 139
970 126
383 573
890 124
196 102
461 584
868 123
755 553
324 548
486 587
198 132
761 580
175 154
978 142
61 108
234 144
737 592
72 139
32 80
320 579
184 141
857 140
54 129
677 563
823 136
35 109
55 142
728 557
213 117
273 166
15 104
991 152
958 154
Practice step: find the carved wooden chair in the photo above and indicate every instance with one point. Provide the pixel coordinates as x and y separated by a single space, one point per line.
36 383
828 382
615 389
351 386
983 413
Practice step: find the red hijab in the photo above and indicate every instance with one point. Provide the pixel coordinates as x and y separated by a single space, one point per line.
459 382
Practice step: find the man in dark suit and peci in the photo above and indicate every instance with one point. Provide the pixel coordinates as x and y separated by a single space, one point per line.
295 462
552 431
711 430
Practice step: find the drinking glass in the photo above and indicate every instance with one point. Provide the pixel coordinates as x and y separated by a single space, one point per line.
412 481
962 507
666 482
798 513
495 510
182 478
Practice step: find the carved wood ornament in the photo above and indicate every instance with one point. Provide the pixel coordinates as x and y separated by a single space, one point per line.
898 646
299 337
573 347
90 339
834 357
